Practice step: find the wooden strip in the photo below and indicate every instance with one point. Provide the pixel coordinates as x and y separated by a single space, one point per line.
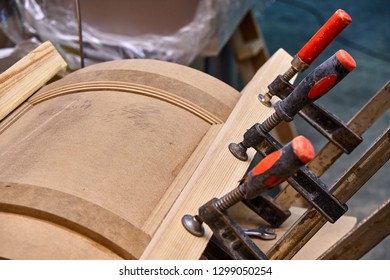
26 76
365 236
359 124
219 171
180 181
374 109
309 224
251 53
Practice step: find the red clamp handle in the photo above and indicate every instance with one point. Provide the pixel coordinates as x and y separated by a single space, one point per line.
324 36
316 84
278 166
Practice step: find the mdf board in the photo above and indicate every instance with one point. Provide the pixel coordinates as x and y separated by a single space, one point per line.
91 164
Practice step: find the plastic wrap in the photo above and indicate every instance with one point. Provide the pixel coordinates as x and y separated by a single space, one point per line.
55 20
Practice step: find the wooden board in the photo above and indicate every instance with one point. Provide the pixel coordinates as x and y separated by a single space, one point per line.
27 75
219 171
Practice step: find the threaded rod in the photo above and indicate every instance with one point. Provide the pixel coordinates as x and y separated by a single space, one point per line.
230 199
270 123
289 73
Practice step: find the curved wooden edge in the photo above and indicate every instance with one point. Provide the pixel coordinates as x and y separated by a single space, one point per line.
162 208
116 86
197 87
128 88
76 214
198 79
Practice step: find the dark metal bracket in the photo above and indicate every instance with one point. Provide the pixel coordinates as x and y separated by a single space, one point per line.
230 235
306 183
329 125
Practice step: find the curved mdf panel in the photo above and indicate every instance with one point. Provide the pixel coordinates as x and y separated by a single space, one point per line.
102 154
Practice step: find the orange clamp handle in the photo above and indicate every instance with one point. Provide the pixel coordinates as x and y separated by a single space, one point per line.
278 166
324 36
321 80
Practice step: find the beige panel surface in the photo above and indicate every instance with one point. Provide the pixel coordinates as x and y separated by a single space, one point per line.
30 239
114 137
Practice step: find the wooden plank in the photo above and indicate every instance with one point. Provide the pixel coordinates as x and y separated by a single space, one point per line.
359 124
309 224
218 172
365 236
27 75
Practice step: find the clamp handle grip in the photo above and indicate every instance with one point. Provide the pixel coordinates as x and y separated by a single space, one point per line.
324 36
317 83
277 167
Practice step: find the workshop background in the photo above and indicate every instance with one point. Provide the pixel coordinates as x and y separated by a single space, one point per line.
288 24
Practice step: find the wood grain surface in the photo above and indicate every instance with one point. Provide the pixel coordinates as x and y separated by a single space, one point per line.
27 75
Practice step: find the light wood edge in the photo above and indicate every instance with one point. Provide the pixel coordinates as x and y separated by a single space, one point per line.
162 208
27 75
218 172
